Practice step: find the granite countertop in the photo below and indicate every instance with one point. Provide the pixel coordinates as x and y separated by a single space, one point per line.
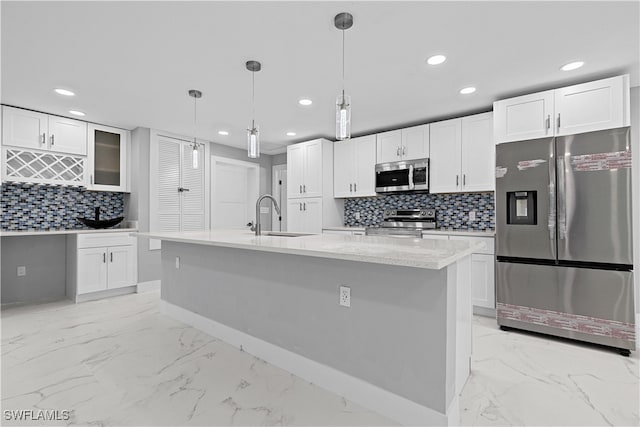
18 233
420 253
473 233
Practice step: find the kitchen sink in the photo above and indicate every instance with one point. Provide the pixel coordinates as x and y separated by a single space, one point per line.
285 234
104 223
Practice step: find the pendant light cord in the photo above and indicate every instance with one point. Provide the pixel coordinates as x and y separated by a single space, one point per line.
195 118
253 100
343 65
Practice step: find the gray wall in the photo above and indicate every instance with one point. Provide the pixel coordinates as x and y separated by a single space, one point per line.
45 259
393 335
280 159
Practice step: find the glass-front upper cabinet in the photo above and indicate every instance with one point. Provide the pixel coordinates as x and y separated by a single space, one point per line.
107 159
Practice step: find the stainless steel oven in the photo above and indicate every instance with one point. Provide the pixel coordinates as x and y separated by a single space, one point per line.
409 175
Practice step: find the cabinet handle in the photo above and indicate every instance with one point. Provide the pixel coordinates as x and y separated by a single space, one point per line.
457 179
398 151
355 187
464 179
91 179
44 138
558 121
304 188
52 140
403 148
548 121
300 188
111 255
300 205
350 188
304 206
104 257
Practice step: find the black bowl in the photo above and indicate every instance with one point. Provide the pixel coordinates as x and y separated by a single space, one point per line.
102 223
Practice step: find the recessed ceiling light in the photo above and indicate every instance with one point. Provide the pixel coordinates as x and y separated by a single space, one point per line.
436 59
77 113
305 102
223 132
572 66
467 90
291 134
64 92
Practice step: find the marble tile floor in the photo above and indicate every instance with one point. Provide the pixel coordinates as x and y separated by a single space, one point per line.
119 361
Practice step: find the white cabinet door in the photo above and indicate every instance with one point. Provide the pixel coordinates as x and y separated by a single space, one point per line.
364 184
107 163
121 267
312 212
389 146
478 153
483 280
295 169
295 216
67 135
415 143
24 128
344 168
312 175
523 117
587 107
92 270
444 163
192 205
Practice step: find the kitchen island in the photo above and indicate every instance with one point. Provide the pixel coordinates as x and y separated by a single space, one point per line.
403 346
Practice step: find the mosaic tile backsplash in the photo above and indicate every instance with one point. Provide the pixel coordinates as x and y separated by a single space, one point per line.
452 210
46 207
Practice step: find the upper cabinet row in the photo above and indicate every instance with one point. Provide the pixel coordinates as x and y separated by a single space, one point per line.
586 107
47 149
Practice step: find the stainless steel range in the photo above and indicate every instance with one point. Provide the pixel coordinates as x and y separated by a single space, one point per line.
404 223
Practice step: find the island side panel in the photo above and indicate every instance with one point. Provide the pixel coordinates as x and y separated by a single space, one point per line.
394 335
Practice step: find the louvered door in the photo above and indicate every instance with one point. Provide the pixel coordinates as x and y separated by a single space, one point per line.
192 203
169 154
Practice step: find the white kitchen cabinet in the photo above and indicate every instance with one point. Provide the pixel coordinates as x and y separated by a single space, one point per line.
310 202
306 167
444 158
586 107
107 158
100 264
354 167
478 153
305 215
403 144
523 117
483 272
462 155
39 131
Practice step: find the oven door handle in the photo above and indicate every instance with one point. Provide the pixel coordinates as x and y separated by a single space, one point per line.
411 184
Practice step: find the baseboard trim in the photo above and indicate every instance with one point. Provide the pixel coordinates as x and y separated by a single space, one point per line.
483 311
151 285
390 405
105 294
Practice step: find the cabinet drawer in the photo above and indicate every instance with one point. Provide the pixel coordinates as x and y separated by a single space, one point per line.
489 243
96 240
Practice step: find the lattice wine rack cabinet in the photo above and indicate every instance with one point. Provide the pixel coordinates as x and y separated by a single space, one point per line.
42 167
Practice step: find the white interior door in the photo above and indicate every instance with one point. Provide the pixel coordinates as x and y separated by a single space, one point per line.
193 201
279 191
235 185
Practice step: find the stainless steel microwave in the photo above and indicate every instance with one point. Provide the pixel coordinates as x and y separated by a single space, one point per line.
409 175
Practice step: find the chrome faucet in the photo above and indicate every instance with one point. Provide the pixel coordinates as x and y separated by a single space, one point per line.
257 227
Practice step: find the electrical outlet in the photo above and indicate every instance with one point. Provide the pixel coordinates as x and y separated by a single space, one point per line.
177 262
22 270
358 216
345 296
264 209
472 215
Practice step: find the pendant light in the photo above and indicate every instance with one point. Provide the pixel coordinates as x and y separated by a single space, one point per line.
343 21
253 134
195 94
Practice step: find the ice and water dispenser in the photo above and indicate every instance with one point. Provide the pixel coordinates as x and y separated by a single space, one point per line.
522 207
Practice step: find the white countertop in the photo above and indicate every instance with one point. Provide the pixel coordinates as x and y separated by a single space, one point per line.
54 232
473 233
421 253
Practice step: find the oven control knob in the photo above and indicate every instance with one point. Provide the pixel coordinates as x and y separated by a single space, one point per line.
393 212
423 212
387 213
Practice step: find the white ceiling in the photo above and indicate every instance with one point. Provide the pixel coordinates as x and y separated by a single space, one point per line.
131 63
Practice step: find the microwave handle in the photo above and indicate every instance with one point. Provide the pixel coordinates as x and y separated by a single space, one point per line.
411 184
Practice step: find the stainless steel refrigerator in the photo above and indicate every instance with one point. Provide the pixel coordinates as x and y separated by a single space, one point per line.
564 262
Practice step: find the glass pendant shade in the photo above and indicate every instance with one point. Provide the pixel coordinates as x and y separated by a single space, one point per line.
343 117
253 142
195 156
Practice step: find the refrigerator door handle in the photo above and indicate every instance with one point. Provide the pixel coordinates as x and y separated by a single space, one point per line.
562 199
